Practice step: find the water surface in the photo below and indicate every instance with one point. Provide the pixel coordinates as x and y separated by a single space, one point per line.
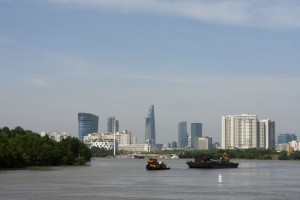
123 178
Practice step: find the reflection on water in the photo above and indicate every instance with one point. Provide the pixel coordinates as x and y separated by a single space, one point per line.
128 179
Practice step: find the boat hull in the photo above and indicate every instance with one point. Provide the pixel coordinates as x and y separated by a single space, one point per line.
153 168
212 165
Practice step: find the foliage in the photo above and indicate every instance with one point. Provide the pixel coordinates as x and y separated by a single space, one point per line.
21 148
233 153
101 152
295 155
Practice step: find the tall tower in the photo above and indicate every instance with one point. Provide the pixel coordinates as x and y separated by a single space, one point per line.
87 123
196 132
182 134
112 125
150 127
266 133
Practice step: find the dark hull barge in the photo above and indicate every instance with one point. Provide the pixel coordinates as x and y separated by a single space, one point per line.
207 162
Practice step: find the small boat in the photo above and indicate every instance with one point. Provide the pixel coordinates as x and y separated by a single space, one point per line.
207 162
154 164
138 156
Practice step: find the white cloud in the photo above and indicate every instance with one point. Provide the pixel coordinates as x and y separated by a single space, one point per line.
275 14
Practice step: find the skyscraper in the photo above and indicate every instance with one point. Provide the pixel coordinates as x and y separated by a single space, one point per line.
112 125
87 123
182 134
245 131
196 132
266 134
150 127
239 131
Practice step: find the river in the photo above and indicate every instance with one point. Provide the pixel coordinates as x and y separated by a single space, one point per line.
124 179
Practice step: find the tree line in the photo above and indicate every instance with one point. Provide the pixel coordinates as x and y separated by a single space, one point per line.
21 148
259 154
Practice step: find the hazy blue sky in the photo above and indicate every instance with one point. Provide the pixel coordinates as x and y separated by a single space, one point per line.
195 60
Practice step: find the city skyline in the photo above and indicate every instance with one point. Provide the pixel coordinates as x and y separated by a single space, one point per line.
194 60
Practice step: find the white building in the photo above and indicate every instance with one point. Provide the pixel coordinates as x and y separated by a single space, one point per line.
55 135
136 148
239 131
122 138
245 131
204 143
295 145
108 144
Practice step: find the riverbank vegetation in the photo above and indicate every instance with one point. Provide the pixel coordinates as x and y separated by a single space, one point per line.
259 154
22 148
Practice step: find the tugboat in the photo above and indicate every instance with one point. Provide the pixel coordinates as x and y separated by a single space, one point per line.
154 164
207 162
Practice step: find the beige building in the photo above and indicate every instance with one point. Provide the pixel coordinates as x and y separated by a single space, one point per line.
204 143
122 137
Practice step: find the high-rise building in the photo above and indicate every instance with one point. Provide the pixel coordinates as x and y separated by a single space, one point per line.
150 136
112 125
245 131
87 123
239 131
117 125
196 132
266 134
286 138
174 145
182 134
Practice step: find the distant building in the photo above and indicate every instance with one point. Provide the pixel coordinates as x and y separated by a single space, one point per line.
134 140
158 147
55 135
87 123
282 147
266 134
135 148
112 125
216 145
182 134
105 144
174 145
189 146
286 138
122 138
196 132
205 143
295 145
239 131
150 135
245 131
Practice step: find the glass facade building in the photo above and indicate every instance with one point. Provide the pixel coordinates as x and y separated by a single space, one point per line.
112 125
150 135
87 123
182 135
196 132
286 138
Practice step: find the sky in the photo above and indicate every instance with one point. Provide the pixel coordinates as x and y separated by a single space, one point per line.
194 60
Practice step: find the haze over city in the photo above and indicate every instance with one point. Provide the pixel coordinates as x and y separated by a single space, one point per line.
193 60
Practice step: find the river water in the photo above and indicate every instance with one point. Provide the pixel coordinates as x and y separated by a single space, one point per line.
124 178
